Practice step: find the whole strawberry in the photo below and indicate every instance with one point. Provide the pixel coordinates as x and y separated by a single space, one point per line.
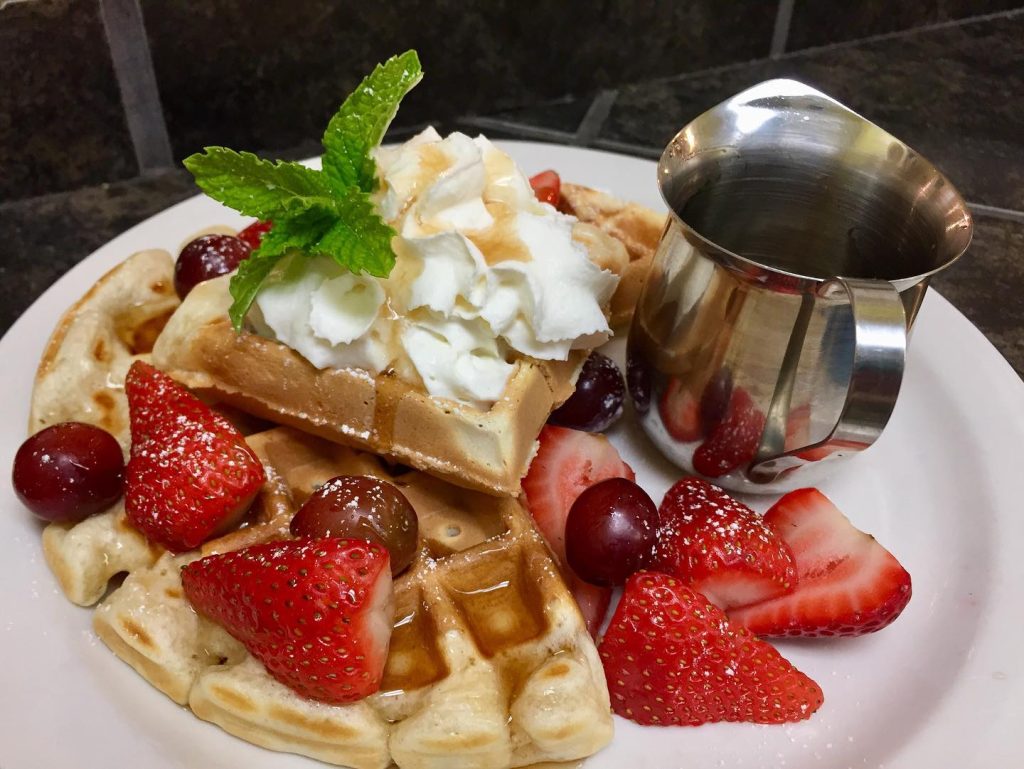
190 474
720 547
672 658
316 612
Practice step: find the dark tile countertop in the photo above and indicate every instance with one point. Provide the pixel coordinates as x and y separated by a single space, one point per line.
955 92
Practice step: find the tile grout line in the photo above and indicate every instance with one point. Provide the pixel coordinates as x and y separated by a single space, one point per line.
136 80
525 130
735 65
967 21
780 33
1008 214
595 118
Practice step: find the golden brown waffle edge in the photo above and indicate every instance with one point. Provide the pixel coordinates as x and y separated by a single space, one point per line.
490 662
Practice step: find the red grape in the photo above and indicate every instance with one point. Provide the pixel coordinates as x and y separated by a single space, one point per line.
597 401
610 532
361 507
69 471
206 257
252 235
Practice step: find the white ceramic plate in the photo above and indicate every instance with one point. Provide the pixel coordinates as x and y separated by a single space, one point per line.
942 687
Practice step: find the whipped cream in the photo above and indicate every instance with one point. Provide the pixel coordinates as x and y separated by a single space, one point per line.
484 272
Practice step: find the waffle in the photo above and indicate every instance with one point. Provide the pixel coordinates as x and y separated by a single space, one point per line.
490 664
482 450
636 227
81 374
81 378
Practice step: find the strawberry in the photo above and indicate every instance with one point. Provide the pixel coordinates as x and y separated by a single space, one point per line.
567 462
847 583
733 441
252 235
547 186
671 658
190 475
720 547
316 612
680 412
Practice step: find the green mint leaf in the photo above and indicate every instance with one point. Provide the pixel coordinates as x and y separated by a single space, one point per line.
246 283
301 233
358 239
257 187
317 213
360 123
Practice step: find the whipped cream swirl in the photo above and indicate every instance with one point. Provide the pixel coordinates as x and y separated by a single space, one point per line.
484 272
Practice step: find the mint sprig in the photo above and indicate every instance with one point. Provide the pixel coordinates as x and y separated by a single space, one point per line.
316 213
257 187
361 122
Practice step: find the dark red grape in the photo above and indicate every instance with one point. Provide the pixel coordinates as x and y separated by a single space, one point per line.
207 257
597 401
68 472
252 235
610 532
361 507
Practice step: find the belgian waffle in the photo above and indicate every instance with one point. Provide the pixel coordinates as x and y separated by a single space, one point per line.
490 664
81 378
636 227
81 374
486 450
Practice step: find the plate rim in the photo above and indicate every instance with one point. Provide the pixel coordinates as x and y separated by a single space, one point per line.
936 305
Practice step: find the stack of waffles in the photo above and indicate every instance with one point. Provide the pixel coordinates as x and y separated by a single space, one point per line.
489 665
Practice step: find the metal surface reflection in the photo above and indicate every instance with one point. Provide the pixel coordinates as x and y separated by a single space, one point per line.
769 340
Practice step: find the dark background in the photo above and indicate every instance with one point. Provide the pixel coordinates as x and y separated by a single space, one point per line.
100 99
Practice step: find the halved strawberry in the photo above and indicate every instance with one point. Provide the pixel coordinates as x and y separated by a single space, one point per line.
567 462
547 186
680 412
316 612
190 474
720 547
672 658
847 583
733 441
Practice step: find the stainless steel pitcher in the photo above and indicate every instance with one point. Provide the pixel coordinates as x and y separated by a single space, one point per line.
769 340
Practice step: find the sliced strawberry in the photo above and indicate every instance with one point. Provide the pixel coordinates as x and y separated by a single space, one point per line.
593 601
672 658
547 186
720 547
847 583
567 462
733 441
252 235
190 475
680 412
316 612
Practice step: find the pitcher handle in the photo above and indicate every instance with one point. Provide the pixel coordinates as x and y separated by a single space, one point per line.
879 355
